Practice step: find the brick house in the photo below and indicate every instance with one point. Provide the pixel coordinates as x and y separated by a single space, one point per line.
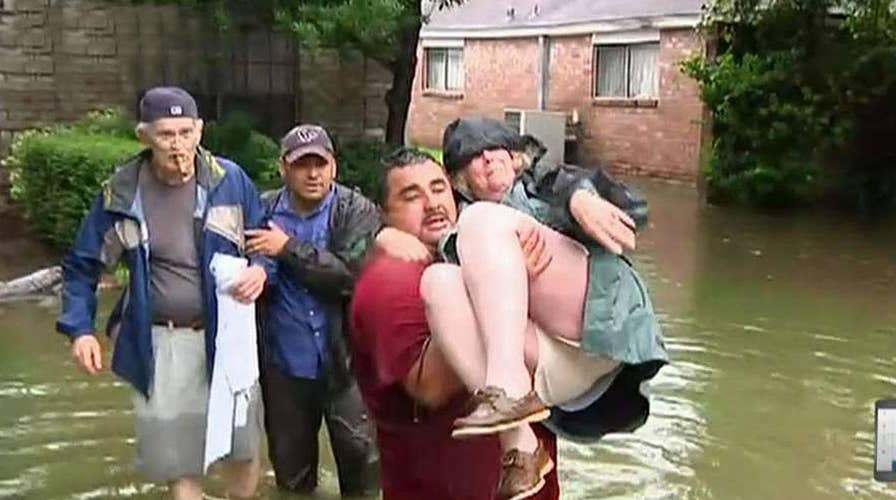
611 66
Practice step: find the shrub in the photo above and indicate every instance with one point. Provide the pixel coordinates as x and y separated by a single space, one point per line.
802 102
360 165
57 173
113 121
769 131
233 137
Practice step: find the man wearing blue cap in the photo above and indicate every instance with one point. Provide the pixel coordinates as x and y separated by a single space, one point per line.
165 213
317 232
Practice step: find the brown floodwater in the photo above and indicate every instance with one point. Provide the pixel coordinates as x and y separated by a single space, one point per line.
783 334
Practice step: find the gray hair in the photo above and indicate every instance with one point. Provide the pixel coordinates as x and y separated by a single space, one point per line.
146 127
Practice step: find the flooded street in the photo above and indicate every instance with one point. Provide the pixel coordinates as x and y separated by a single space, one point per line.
782 330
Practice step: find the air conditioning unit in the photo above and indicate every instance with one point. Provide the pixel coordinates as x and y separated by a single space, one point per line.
547 126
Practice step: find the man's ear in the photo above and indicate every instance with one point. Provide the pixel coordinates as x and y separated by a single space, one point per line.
282 168
199 125
142 133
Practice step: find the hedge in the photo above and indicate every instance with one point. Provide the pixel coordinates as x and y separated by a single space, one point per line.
56 174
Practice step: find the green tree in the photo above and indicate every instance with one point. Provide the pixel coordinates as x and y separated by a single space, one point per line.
386 31
802 94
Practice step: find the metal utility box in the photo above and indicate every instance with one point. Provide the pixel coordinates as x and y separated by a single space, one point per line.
548 126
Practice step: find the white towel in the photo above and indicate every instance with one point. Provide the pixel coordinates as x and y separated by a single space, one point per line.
236 361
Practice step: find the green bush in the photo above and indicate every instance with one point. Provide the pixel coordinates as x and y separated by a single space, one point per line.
234 137
802 102
113 121
769 132
360 164
57 173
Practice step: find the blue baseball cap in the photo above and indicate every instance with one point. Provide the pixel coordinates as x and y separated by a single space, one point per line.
167 102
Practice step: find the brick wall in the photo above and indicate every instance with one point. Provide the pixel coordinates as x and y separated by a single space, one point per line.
488 87
61 59
661 141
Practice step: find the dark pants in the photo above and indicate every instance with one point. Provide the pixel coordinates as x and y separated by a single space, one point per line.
294 408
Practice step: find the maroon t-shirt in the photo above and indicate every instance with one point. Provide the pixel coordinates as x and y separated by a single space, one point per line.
418 458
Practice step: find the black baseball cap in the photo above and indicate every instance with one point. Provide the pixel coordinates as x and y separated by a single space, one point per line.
167 102
306 140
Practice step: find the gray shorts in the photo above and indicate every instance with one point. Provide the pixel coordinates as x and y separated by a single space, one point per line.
171 424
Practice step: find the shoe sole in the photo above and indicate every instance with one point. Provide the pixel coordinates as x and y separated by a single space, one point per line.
537 488
467 432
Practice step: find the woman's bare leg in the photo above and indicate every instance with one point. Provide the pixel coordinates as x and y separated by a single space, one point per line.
494 273
455 333
502 297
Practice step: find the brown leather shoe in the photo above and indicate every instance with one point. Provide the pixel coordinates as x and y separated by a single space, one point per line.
495 412
522 474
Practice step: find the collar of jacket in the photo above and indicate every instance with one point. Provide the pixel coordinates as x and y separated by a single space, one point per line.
271 198
120 191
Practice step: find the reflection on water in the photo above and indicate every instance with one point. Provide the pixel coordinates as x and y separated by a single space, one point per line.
782 330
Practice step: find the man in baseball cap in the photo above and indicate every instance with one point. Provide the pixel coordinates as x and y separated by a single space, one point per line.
164 213
316 225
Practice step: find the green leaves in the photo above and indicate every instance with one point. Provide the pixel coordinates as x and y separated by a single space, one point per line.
234 137
372 27
797 95
360 165
56 174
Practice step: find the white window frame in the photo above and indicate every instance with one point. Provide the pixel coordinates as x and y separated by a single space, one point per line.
446 46
626 39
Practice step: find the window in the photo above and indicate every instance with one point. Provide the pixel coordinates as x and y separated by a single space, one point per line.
445 69
628 71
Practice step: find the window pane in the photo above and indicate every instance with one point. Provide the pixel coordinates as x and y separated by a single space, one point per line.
455 69
435 69
644 74
611 71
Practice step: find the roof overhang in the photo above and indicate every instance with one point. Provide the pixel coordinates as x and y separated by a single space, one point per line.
684 21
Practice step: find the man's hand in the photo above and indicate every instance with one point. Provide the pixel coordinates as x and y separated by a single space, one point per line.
603 221
535 251
88 354
402 245
250 284
269 242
